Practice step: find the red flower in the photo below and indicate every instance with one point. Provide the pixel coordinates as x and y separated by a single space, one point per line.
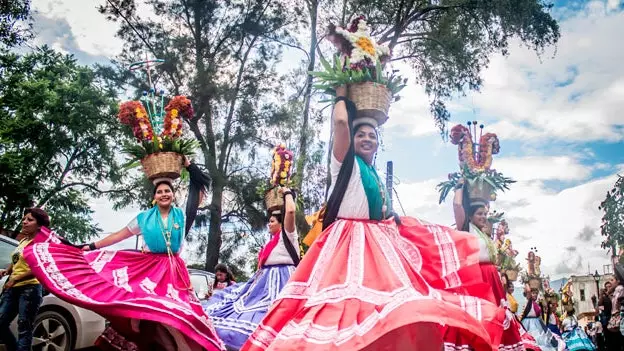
458 133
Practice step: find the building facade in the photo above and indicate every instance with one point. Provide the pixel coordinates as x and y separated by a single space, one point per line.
584 288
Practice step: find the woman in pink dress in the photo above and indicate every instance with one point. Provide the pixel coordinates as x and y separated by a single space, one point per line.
367 283
142 293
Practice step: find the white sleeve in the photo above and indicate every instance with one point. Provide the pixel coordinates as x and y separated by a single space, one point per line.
334 167
133 227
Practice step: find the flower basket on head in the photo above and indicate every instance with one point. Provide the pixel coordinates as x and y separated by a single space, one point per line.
512 274
360 67
273 200
157 127
162 165
475 162
280 177
372 101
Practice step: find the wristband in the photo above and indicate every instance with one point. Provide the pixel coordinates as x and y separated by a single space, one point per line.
341 98
291 193
459 186
92 247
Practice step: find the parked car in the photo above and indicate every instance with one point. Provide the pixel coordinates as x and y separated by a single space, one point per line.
59 325
202 282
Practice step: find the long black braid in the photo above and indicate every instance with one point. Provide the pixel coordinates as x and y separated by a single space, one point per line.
344 175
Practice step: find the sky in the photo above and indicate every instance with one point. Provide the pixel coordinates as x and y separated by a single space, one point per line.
557 117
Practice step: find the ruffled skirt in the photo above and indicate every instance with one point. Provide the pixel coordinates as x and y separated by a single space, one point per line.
368 285
137 292
237 310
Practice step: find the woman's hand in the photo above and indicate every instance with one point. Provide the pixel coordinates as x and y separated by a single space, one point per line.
9 284
187 162
3 272
86 248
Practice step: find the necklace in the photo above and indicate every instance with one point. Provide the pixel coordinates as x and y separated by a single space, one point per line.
166 232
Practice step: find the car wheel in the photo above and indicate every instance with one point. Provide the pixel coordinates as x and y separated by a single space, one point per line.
51 332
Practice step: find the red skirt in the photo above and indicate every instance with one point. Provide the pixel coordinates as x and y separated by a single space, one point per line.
511 339
366 285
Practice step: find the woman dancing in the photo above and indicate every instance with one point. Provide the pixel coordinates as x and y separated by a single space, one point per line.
237 310
146 292
368 284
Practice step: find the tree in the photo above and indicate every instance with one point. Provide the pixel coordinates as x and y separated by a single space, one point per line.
612 227
58 137
15 23
223 55
449 42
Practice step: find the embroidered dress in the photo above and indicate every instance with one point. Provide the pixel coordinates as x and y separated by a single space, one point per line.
536 327
368 284
511 339
237 310
140 293
574 337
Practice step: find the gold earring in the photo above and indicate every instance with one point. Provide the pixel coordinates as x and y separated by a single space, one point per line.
153 202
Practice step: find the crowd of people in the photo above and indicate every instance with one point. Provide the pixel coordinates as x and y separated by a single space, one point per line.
371 281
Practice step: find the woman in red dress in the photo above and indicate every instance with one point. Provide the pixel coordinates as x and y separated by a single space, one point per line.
367 283
471 216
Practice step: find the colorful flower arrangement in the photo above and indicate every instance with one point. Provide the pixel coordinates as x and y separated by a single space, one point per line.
135 115
281 166
475 162
361 59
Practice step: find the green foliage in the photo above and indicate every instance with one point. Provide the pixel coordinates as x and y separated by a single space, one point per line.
496 179
612 227
15 26
222 54
449 42
58 140
335 75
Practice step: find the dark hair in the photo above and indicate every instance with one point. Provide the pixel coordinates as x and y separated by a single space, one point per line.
571 312
278 217
223 268
159 183
40 216
357 127
510 284
344 175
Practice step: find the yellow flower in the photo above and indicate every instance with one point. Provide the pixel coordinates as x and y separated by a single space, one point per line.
284 174
366 45
174 113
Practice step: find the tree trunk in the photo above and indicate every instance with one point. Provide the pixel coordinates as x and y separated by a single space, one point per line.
302 225
214 231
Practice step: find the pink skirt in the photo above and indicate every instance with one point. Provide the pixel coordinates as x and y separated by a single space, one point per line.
129 288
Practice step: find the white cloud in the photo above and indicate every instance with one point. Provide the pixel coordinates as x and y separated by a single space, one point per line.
551 221
543 168
93 33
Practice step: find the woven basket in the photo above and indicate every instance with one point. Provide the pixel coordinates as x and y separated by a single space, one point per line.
482 191
372 100
273 200
512 275
162 165
535 283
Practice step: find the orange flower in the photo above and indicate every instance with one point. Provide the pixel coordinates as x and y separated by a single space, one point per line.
133 114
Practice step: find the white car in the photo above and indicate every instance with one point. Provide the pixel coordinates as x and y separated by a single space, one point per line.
59 326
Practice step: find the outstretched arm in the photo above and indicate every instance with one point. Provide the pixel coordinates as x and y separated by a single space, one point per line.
458 208
110 239
290 208
340 124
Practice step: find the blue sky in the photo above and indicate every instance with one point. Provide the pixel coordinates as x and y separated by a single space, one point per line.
557 118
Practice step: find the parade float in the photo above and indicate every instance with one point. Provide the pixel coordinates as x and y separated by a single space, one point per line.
475 164
156 122
360 67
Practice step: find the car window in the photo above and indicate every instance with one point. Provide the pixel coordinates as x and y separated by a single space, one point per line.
6 250
200 284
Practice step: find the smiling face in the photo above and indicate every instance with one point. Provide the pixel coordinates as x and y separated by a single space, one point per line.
274 225
479 217
29 225
163 195
365 142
